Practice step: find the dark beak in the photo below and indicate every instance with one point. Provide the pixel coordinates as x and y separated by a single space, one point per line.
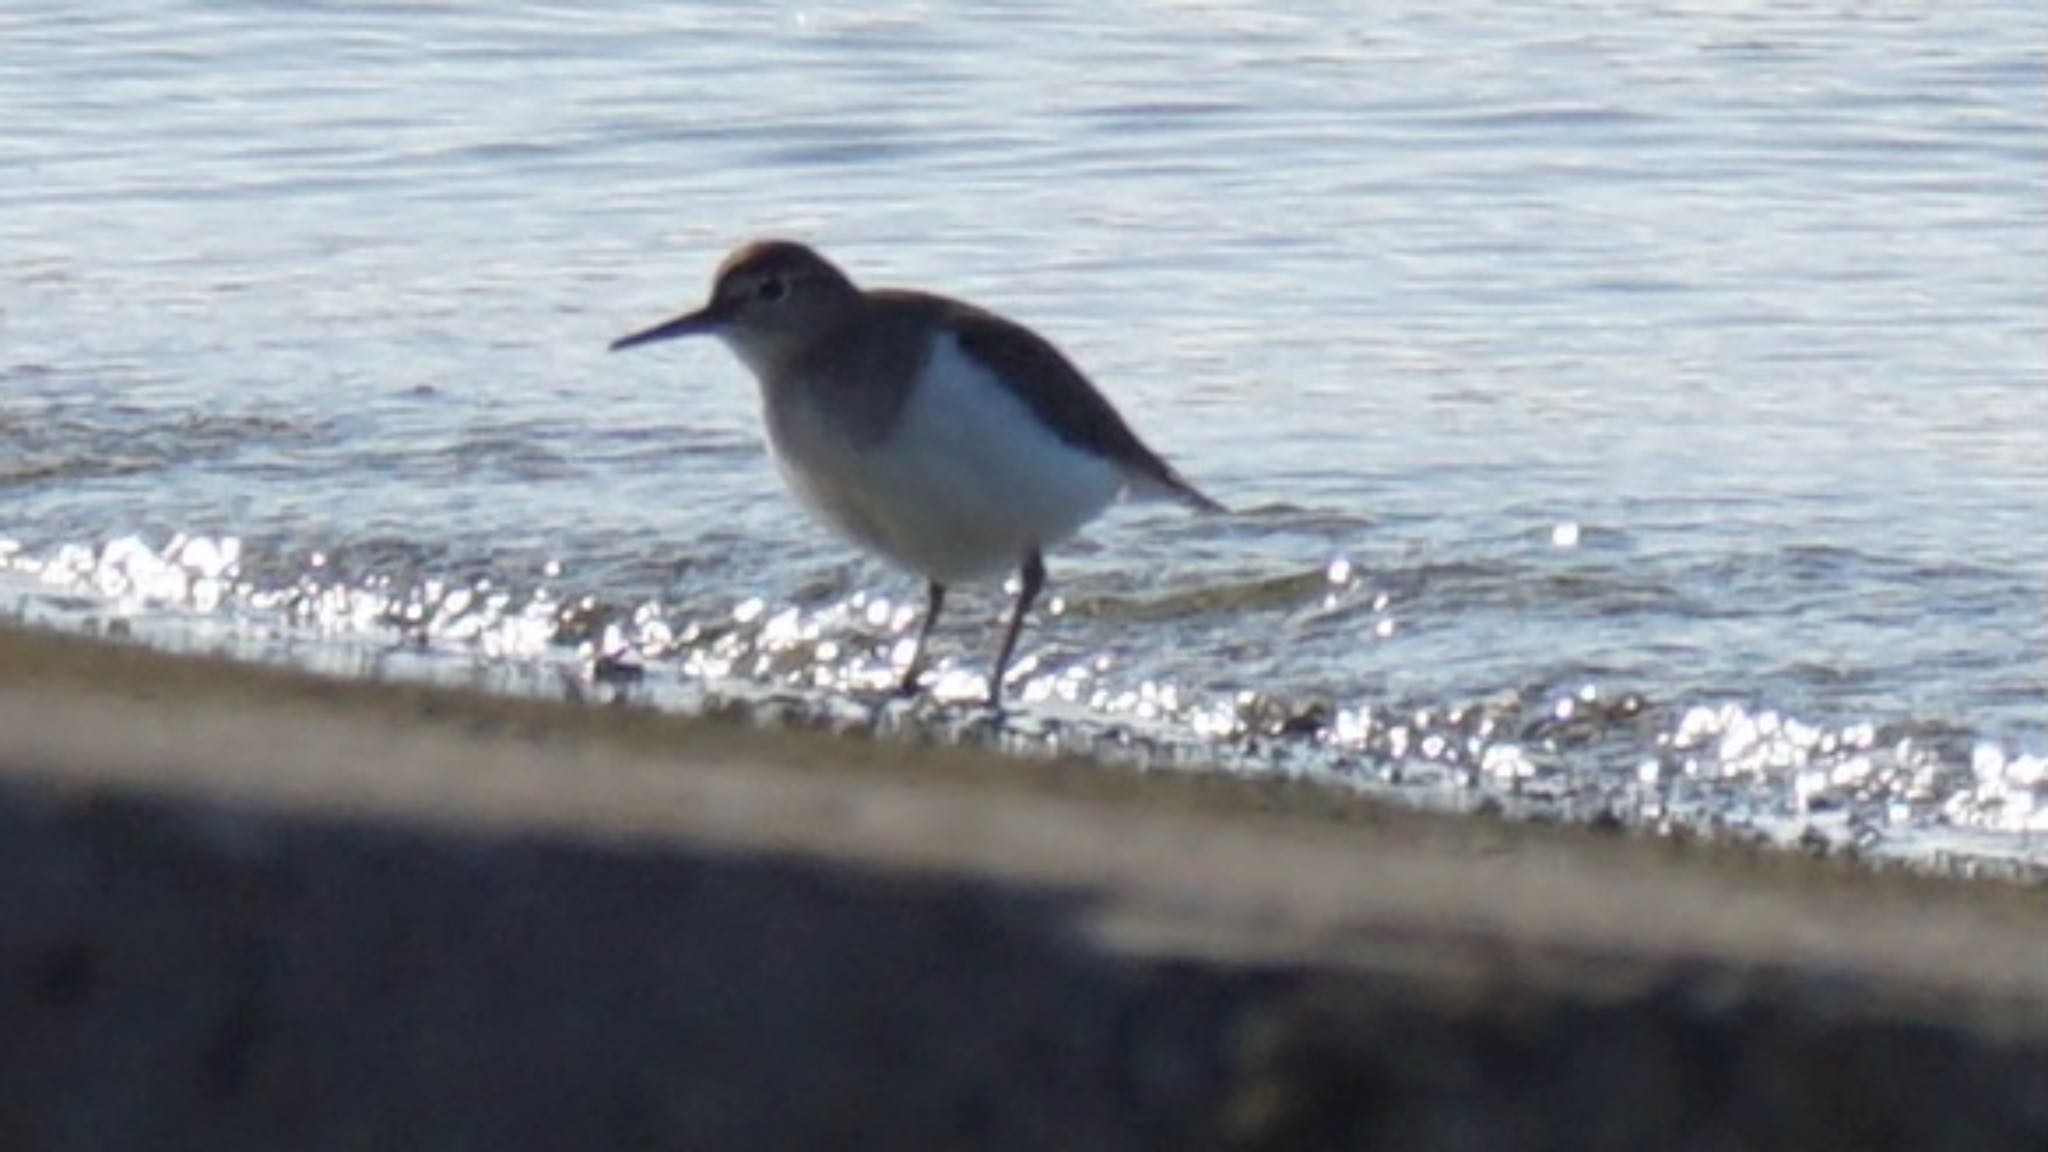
702 322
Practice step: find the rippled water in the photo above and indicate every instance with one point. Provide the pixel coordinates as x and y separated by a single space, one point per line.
1631 411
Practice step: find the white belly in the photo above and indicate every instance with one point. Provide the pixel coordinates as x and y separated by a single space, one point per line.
967 484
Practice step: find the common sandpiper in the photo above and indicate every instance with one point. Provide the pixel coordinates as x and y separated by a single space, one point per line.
940 436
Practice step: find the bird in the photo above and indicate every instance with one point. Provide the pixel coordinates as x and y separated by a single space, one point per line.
953 443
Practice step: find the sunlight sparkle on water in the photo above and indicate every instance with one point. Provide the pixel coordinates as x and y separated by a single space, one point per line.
1845 779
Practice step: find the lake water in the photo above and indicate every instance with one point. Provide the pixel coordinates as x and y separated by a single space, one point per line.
1629 411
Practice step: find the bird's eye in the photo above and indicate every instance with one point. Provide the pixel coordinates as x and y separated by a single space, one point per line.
771 289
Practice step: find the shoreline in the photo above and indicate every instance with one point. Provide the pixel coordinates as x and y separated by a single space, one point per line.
1201 960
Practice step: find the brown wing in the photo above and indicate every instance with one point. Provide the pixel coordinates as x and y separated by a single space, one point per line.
1056 391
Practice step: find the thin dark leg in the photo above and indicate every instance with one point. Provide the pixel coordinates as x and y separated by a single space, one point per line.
934 601
1033 573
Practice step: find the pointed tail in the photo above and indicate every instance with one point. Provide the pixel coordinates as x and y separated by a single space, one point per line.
1161 482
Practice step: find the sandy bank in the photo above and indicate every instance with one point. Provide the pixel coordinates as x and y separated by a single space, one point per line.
241 908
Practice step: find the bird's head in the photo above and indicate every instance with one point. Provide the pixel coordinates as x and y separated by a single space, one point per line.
769 301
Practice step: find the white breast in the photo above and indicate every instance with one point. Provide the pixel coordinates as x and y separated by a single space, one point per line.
967 484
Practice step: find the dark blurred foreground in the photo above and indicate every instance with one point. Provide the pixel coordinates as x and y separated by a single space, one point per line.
239 910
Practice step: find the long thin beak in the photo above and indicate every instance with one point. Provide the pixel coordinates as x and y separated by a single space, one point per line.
699 323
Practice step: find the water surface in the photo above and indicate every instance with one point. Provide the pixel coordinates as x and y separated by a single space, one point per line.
1629 412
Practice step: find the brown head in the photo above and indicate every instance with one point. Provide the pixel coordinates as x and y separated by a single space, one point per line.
769 301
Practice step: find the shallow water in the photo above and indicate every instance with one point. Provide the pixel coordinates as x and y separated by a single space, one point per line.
1629 412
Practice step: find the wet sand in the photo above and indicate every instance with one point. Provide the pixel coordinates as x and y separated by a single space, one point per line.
246 908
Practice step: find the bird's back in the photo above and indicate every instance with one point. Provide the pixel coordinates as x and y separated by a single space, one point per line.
1052 388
